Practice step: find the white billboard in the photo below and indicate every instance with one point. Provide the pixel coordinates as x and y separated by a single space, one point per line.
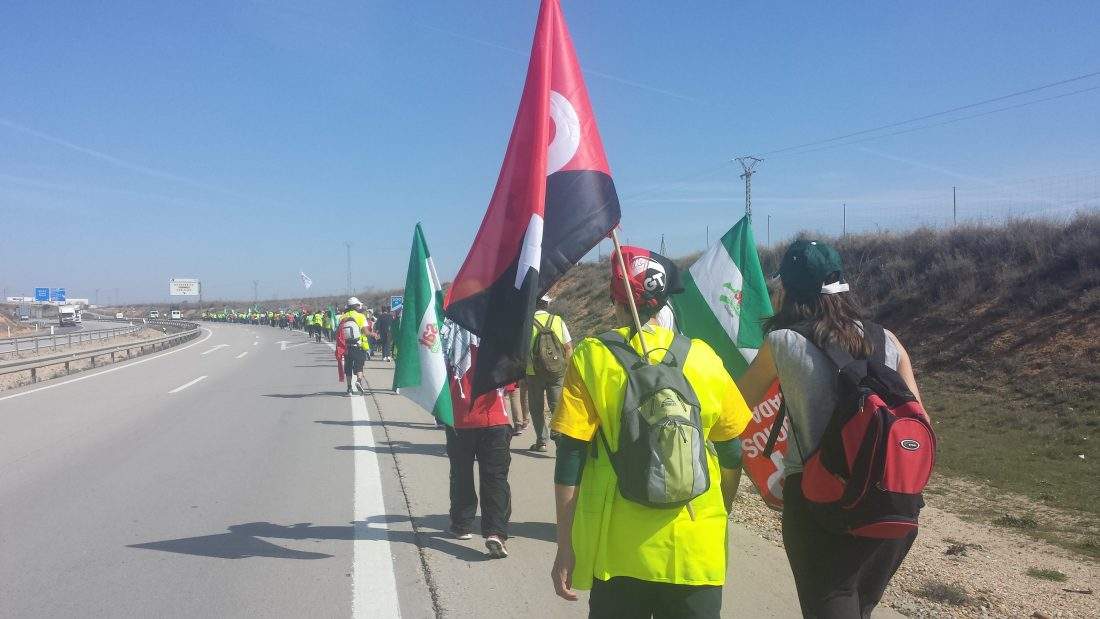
183 287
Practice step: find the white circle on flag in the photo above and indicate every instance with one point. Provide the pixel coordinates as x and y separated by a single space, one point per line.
567 133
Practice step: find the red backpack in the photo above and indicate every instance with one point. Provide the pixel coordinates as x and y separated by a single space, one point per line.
877 453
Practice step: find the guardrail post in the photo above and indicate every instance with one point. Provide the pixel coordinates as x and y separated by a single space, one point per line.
67 370
36 347
93 361
34 375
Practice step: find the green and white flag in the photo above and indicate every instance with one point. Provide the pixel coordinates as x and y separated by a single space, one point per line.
421 372
725 299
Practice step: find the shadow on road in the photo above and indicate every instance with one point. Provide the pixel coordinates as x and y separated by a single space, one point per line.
412 425
244 540
296 396
400 447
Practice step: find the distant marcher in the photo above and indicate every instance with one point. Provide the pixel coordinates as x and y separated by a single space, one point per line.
516 398
384 328
481 432
550 351
838 575
356 346
637 429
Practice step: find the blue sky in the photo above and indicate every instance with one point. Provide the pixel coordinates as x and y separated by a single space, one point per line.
235 141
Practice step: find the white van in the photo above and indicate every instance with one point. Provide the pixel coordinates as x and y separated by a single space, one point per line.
176 315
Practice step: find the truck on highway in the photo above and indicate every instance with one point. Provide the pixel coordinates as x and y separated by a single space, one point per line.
154 314
175 315
66 315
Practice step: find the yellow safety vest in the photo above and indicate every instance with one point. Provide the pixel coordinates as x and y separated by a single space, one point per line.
616 537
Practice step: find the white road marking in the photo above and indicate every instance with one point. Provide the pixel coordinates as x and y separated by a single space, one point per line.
209 334
186 385
256 342
215 348
373 582
242 354
293 345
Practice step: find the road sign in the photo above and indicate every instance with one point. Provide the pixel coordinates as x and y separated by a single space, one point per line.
396 303
41 294
57 294
183 287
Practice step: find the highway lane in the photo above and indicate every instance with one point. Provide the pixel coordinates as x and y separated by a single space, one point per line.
230 477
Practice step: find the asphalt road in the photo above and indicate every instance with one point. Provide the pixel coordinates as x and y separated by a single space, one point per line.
230 477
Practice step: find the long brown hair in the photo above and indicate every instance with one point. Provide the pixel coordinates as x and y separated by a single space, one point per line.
831 319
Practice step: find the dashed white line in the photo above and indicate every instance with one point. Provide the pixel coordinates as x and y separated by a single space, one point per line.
242 354
256 342
186 385
215 348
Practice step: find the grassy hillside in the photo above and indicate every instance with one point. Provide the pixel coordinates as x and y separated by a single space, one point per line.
1003 325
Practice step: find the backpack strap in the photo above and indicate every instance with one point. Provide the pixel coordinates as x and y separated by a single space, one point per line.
840 357
876 335
624 353
678 350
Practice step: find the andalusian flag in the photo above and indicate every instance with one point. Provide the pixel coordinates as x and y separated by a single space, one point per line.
725 299
421 372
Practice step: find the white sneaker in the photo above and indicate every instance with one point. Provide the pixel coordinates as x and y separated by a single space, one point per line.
496 547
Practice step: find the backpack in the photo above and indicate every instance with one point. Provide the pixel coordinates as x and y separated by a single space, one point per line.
349 331
662 456
877 453
548 353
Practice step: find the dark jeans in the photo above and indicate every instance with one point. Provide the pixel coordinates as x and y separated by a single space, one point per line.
384 341
837 576
540 392
622 596
490 447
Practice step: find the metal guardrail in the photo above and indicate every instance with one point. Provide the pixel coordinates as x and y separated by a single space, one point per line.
190 331
35 343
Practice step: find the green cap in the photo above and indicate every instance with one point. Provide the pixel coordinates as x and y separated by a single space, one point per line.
806 268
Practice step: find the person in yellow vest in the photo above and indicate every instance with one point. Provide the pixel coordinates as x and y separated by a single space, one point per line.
316 319
655 557
544 384
326 325
356 356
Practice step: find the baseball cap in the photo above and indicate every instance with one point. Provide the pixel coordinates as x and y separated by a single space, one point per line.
808 269
653 277
353 301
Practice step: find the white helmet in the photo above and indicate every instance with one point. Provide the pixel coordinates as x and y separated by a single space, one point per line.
354 302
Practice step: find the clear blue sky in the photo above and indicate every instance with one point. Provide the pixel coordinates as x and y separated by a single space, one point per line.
247 140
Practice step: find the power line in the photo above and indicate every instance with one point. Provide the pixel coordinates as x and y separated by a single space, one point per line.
942 123
935 114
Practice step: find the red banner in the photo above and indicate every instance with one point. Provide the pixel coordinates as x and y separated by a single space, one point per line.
766 473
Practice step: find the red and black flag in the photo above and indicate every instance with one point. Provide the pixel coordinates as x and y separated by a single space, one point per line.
554 201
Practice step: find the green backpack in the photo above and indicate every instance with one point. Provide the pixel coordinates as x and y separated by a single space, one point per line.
548 353
662 456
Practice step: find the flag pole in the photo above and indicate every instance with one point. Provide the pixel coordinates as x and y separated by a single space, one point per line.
629 292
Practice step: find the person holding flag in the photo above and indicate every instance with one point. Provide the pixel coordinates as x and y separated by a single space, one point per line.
837 574
554 201
640 559
481 431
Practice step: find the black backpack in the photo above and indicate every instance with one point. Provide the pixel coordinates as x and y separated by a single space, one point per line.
877 452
